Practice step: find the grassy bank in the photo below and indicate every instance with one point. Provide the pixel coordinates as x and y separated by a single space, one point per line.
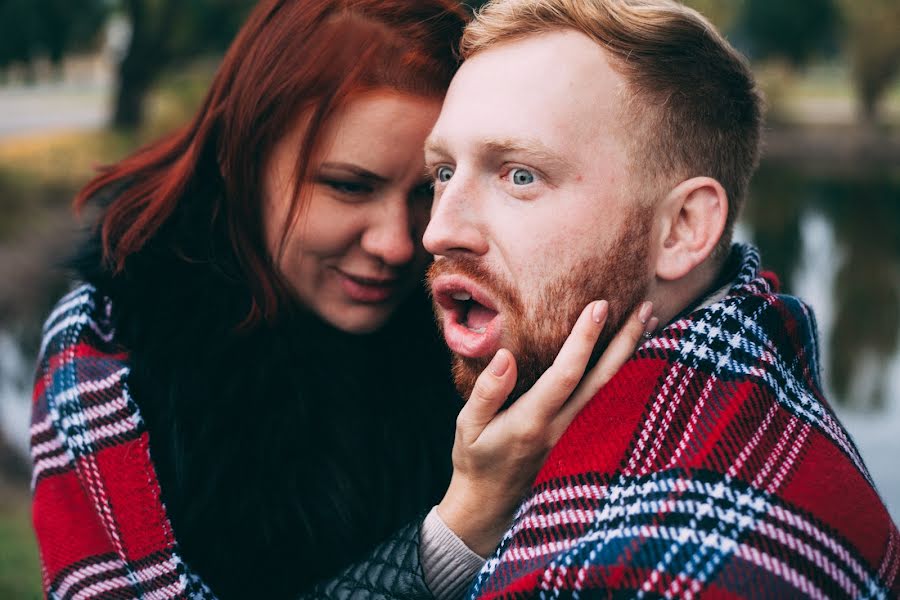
20 571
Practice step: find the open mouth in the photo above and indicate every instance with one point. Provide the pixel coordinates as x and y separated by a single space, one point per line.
470 313
471 321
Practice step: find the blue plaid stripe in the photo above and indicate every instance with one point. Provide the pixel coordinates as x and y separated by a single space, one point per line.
689 525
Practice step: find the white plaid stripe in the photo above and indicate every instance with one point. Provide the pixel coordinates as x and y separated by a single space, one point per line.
775 454
694 346
788 463
747 510
62 326
136 579
83 573
78 432
747 450
71 302
722 545
696 414
573 492
647 429
77 392
41 426
54 453
72 312
57 461
90 477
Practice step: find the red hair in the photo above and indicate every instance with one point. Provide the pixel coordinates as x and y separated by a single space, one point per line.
291 57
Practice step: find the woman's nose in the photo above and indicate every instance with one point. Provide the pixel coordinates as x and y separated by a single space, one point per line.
389 234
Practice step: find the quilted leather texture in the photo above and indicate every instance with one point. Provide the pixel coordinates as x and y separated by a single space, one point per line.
392 571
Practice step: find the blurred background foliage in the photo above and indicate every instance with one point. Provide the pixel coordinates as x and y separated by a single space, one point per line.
824 207
164 33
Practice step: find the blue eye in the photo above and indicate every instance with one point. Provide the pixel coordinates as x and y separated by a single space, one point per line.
443 174
521 176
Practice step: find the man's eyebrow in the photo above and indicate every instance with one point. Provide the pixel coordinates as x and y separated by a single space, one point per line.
355 170
527 146
435 145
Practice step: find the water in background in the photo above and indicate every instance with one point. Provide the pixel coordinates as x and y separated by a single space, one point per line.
832 237
834 240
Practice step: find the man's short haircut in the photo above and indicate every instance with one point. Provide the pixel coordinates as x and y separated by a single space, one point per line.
692 107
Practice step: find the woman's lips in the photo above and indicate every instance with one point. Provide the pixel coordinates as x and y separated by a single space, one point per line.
471 343
367 290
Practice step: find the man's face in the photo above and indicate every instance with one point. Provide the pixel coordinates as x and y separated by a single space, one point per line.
533 215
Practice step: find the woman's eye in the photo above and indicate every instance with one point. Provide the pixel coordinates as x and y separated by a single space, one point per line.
521 176
348 187
443 174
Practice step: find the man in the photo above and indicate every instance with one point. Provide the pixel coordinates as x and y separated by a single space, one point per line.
595 149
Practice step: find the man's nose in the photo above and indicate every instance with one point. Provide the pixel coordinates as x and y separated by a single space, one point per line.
389 234
455 224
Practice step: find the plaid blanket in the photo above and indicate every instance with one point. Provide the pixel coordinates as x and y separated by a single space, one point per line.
711 465
101 526
99 520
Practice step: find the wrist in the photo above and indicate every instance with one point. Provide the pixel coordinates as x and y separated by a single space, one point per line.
478 521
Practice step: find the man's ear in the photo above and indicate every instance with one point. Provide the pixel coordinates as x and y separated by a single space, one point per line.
693 217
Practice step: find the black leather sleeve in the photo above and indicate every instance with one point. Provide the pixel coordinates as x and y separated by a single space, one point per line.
392 571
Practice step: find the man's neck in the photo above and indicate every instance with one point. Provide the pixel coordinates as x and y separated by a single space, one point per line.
671 299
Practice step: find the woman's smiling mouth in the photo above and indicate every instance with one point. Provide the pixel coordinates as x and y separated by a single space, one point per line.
368 290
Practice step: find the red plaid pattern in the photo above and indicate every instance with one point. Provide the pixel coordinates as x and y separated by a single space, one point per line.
710 465
100 523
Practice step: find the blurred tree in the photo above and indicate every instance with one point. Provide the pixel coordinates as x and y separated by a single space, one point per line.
17 32
50 28
872 37
163 32
794 31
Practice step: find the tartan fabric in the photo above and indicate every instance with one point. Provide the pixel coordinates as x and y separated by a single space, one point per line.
101 526
102 529
709 466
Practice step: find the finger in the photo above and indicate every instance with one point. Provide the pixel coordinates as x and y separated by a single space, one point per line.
543 401
619 350
491 390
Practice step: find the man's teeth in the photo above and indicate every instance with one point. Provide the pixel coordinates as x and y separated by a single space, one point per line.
465 297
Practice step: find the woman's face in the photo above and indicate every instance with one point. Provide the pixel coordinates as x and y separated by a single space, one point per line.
355 251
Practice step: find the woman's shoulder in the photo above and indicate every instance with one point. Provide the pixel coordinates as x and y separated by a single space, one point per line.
80 325
97 508
81 399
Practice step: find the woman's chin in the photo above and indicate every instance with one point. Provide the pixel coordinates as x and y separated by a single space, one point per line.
358 320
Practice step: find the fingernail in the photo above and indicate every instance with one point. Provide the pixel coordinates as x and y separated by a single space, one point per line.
499 364
599 310
651 326
645 312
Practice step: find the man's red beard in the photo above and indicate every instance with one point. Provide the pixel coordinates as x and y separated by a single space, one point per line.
536 334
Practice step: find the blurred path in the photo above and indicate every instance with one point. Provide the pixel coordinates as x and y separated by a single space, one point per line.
51 106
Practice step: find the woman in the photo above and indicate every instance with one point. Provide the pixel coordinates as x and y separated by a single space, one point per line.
248 394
